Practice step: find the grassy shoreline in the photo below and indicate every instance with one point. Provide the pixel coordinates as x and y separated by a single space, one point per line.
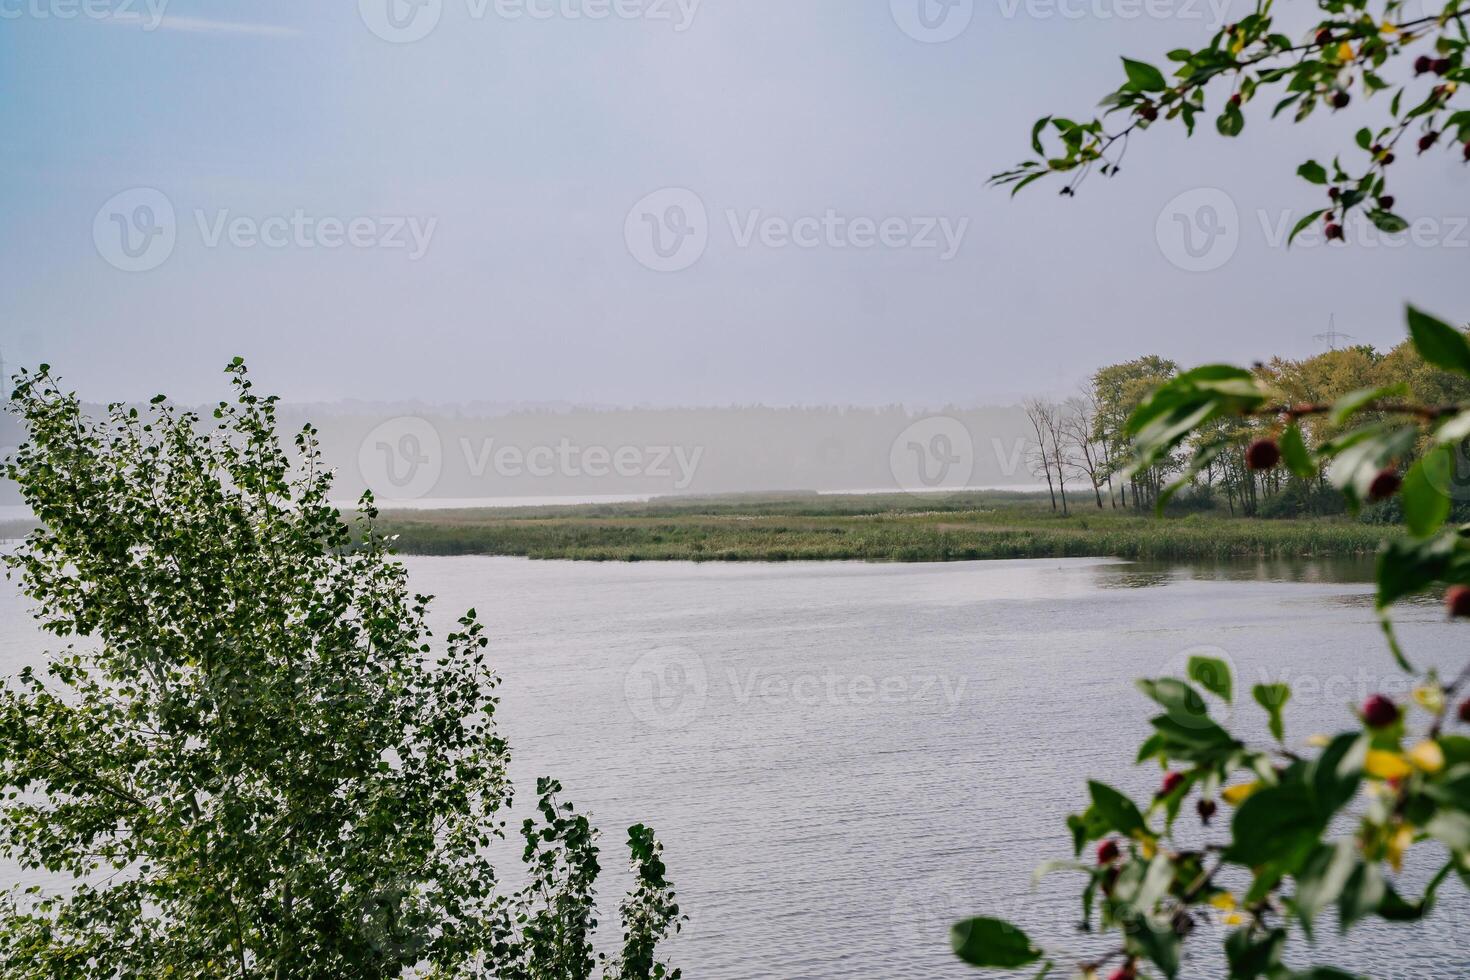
889 528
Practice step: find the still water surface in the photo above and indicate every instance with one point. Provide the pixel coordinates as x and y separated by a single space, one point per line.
841 758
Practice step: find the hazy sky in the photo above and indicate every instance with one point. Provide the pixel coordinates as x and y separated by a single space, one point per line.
467 215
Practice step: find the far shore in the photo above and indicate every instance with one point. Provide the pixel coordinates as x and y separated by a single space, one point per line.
893 527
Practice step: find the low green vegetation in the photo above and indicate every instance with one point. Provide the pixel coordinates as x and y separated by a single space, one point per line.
895 528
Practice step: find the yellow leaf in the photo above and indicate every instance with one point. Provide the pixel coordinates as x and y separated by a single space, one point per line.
1236 795
1388 28
1386 765
1344 52
1428 756
1234 919
1397 845
1224 901
1318 741
1430 697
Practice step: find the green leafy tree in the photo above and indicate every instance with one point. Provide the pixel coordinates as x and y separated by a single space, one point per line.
250 759
1398 777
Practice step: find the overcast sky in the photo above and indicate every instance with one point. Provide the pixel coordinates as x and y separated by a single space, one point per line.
364 212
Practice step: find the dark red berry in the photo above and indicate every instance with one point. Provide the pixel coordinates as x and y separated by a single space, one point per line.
1235 99
1340 99
1206 810
1386 202
1334 231
1465 711
1125 972
1147 111
1263 454
1324 36
1457 601
1334 192
1107 852
1388 158
1422 64
1384 485
1172 781
1427 140
1380 712
1441 66
1467 149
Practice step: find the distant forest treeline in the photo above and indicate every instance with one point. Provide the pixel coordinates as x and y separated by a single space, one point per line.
1080 451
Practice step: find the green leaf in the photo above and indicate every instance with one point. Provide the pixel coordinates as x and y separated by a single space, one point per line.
1295 454
993 943
1273 698
1426 505
1361 895
1176 697
1275 824
1117 811
1143 77
1439 343
1230 122
1409 566
1213 674
1156 942
1251 957
1350 404
1303 224
1323 878
1312 171
1387 222
1451 827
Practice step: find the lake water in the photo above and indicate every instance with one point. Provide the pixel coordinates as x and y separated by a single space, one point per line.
841 759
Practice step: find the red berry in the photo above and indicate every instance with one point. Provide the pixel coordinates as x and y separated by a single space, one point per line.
1384 485
1172 781
1427 140
1467 149
1388 158
1334 231
1386 202
1422 64
1147 111
1465 711
1123 973
1457 601
1206 810
1340 99
1334 192
1324 36
1441 66
1380 712
1263 454
1107 852
1235 99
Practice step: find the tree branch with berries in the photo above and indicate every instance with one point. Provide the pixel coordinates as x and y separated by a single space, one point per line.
1399 774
